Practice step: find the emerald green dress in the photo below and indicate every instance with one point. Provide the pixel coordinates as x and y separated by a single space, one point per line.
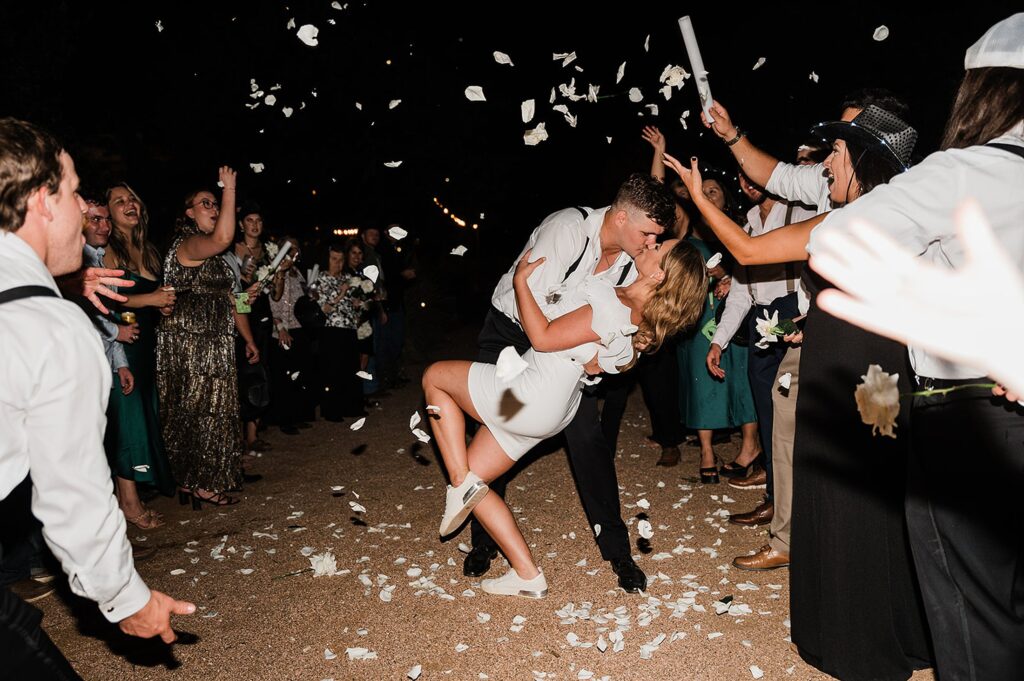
134 443
705 402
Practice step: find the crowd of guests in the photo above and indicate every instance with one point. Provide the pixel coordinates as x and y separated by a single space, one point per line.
211 342
895 563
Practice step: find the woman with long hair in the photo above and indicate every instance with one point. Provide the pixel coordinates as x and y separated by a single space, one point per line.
134 442
600 329
196 371
966 540
848 487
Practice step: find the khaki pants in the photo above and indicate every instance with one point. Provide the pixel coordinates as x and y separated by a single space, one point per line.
783 429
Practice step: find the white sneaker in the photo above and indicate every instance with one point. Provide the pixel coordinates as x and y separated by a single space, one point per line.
513 585
460 502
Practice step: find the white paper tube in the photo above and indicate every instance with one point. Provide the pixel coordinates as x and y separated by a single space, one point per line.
280 255
700 74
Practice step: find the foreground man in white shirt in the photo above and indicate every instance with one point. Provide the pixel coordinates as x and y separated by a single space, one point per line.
966 540
54 386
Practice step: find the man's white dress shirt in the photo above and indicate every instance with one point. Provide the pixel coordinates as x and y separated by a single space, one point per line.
759 284
917 209
54 386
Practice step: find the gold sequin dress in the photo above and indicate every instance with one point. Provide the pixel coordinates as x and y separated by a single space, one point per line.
196 374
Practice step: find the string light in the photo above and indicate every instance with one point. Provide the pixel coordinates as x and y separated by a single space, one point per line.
455 218
351 231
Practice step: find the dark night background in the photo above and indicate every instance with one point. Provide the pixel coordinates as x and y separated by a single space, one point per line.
164 109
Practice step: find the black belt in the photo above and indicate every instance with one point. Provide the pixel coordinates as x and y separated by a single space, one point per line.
928 383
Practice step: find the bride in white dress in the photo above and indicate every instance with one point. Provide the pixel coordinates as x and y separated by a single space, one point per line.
601 328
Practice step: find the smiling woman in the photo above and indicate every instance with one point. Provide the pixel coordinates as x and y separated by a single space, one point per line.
196 370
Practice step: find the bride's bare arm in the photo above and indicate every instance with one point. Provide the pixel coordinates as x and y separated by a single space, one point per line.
562 333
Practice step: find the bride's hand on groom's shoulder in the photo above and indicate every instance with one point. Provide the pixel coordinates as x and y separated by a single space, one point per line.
524 268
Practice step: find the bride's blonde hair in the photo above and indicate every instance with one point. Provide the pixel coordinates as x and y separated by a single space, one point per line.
677 301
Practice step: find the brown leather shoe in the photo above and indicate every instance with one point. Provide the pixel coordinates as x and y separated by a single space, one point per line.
762 515
758 479
30 591
766 558
669 456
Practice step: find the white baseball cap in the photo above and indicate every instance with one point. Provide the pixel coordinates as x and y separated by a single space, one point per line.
1002 46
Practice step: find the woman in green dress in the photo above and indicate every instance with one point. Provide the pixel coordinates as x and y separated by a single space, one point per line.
133 440
707 403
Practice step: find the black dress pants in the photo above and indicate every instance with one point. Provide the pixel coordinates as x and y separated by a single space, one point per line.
591 459
966 526
342 392
26 652
658 376
292 398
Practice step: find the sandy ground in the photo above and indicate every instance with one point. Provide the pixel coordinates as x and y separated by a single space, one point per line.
401 594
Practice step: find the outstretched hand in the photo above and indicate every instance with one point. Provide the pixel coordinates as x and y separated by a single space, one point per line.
524 268
654 137
690 176
95 281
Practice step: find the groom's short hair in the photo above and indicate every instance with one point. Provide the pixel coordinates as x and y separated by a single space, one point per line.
649 196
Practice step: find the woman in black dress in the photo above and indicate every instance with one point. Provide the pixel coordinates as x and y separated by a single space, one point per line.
856 607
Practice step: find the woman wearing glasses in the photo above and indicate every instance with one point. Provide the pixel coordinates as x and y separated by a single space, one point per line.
196 371
133 440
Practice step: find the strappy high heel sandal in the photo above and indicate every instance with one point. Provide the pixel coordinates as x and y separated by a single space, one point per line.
147 520
216 499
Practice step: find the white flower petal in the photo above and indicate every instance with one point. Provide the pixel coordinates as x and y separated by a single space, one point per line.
357 507
714 260
365 376
392 164
620 73
459 250
813 76
644 529
307 33
414 420
475 93
358 424
759 64
397 233
371 272
420 435
393 103
287 111
527 110
635 95
502 58
881 33
256 167
785 380
535 136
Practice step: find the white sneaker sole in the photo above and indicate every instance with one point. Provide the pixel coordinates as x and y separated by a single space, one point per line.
470 499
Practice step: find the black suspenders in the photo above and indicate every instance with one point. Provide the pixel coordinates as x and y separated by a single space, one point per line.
19 292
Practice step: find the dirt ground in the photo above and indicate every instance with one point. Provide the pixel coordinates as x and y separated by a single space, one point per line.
400 595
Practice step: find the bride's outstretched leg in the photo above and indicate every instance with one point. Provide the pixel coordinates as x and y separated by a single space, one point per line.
446 385
488 460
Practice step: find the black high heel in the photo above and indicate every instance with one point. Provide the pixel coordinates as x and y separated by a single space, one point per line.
709 475
218 499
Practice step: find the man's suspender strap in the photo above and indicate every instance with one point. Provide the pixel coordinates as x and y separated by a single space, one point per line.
576 263
1012 148
791 275
19 292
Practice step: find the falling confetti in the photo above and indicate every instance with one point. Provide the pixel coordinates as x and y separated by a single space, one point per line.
307 33
534 137
527 109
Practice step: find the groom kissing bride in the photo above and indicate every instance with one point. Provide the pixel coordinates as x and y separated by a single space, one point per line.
590 291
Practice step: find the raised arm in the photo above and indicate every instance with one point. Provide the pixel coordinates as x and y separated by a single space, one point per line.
200 247
757 164
785 244
656 140
562 333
